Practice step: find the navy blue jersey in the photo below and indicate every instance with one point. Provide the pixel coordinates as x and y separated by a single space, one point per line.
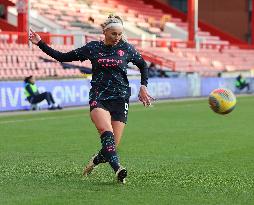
109 67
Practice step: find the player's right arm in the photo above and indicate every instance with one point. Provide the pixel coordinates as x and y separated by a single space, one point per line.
79 54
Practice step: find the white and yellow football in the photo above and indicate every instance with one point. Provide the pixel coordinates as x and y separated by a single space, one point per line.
222 101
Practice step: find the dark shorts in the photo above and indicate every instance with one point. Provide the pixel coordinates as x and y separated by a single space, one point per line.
118 108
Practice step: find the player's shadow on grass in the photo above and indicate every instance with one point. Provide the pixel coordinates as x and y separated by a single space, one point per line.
97 181
109 183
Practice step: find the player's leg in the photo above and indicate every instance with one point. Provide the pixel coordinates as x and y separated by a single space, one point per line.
119 113
102 120
118 128
48 97
248 86
39 98
51 99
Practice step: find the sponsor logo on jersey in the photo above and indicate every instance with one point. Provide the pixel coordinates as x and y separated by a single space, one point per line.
109 62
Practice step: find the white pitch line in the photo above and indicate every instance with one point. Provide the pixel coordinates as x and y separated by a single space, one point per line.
23 112
40 119
84 108
57 117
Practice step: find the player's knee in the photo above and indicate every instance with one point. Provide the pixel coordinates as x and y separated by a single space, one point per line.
101 130
46 93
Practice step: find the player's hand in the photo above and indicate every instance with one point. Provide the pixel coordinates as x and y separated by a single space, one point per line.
144 97
34 37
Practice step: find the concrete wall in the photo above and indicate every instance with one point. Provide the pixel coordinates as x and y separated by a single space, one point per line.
230 16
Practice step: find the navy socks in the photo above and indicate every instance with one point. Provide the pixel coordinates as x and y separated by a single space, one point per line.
108 151
99 158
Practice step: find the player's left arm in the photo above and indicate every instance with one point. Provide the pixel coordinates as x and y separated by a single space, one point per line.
81 54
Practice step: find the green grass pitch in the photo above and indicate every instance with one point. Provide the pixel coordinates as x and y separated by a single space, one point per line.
176 153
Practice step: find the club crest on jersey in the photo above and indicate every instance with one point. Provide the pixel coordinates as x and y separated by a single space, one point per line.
93 103
120 53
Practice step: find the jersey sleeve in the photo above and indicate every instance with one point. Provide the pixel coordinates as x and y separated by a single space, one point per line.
136 58
80 54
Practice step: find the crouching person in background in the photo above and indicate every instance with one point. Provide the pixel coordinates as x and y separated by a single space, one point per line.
33 96
241 83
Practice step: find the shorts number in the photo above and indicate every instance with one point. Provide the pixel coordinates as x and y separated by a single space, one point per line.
126 106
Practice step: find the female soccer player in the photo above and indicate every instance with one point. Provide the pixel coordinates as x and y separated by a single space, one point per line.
110 91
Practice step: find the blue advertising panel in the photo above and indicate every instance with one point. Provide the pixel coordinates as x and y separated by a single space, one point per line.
209 84
65 92
75 92
162 88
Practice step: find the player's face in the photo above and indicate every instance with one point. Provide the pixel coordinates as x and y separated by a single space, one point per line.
113 36
32 80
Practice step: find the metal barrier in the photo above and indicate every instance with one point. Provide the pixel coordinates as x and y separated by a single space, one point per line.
64 39
60 39
10 37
